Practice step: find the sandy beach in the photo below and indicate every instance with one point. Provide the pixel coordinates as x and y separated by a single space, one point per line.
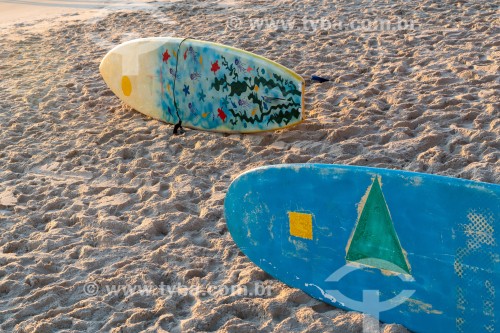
94 194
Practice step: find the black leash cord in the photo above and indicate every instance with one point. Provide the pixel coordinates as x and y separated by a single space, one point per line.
178 127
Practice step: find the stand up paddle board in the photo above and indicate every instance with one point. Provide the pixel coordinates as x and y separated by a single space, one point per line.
205 85
408 248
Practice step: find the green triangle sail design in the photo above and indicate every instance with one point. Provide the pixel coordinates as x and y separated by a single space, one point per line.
374 241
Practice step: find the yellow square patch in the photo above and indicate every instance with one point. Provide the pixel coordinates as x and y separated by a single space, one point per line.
301 225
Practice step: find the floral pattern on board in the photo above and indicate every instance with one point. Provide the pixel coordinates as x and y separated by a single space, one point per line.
225 89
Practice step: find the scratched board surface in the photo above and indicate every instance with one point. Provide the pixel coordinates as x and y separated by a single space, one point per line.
215 87
428 245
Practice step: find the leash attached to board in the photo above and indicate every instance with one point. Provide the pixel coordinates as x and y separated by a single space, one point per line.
178 127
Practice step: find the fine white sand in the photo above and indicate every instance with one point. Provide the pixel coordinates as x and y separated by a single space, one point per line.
94 192
44 12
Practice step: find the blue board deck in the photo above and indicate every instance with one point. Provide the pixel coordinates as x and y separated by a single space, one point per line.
428 245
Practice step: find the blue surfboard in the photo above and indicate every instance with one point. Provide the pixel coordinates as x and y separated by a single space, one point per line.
408 248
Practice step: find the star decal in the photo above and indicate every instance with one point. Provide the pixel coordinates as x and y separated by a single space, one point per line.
221 114
166 56
201 96
215 67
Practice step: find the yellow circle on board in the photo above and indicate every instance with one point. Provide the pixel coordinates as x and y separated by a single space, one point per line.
126 86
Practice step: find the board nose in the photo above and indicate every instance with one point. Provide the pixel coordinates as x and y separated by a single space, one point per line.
125 67
104 69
